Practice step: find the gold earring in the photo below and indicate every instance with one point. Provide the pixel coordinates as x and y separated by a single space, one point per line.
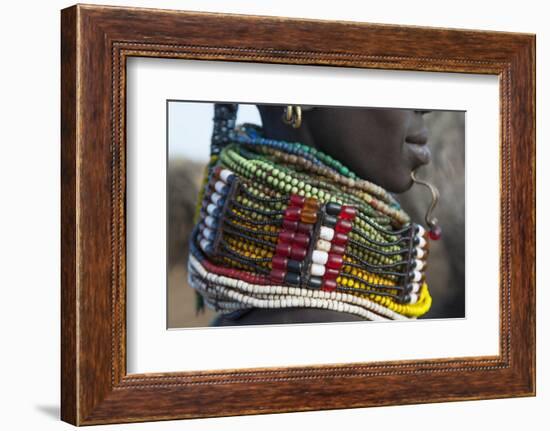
293 116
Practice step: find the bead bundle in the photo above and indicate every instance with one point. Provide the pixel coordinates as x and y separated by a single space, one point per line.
293 240
284 225
328 255
217 191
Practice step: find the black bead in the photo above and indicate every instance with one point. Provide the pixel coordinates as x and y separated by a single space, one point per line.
333 208
315 282
291 278
294 266
329 220
409 288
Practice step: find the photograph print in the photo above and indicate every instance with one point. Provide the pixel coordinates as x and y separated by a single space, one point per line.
293 214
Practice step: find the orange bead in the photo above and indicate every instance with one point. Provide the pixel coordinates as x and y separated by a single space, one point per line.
312 204
308 217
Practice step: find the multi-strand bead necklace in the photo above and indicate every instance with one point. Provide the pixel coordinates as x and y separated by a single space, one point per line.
282 224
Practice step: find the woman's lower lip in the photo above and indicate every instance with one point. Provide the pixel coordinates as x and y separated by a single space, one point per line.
421 153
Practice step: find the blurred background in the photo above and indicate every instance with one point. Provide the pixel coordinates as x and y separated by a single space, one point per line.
189 132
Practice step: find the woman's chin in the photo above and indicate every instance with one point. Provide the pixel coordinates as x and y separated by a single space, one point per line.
394 177
395 183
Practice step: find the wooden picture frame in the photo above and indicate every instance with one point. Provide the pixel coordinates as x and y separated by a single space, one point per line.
95 43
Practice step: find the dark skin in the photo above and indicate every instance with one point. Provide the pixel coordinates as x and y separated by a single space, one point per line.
381 145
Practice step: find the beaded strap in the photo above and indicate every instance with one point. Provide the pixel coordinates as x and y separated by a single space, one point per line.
225 115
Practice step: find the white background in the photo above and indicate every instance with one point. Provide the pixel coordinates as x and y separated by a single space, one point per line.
29 220
151 348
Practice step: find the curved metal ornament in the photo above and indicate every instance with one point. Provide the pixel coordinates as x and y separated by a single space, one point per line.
431 221
293 116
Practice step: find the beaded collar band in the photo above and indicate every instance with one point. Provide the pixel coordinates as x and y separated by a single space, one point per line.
282 225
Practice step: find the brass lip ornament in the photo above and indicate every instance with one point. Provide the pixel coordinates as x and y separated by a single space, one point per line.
431 222
293 116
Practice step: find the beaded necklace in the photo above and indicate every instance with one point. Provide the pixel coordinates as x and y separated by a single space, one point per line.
282 224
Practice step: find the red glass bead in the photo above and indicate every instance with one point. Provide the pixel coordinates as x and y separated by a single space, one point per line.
340 239
330 274
298 253
286 236
305 228
343 226
337 249
435 233
279 262
293 213
348 212
290 225
301 239
335 261
329 285
277 276
283 249
297 201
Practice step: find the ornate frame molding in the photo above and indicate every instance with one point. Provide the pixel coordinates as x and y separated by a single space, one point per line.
96 41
